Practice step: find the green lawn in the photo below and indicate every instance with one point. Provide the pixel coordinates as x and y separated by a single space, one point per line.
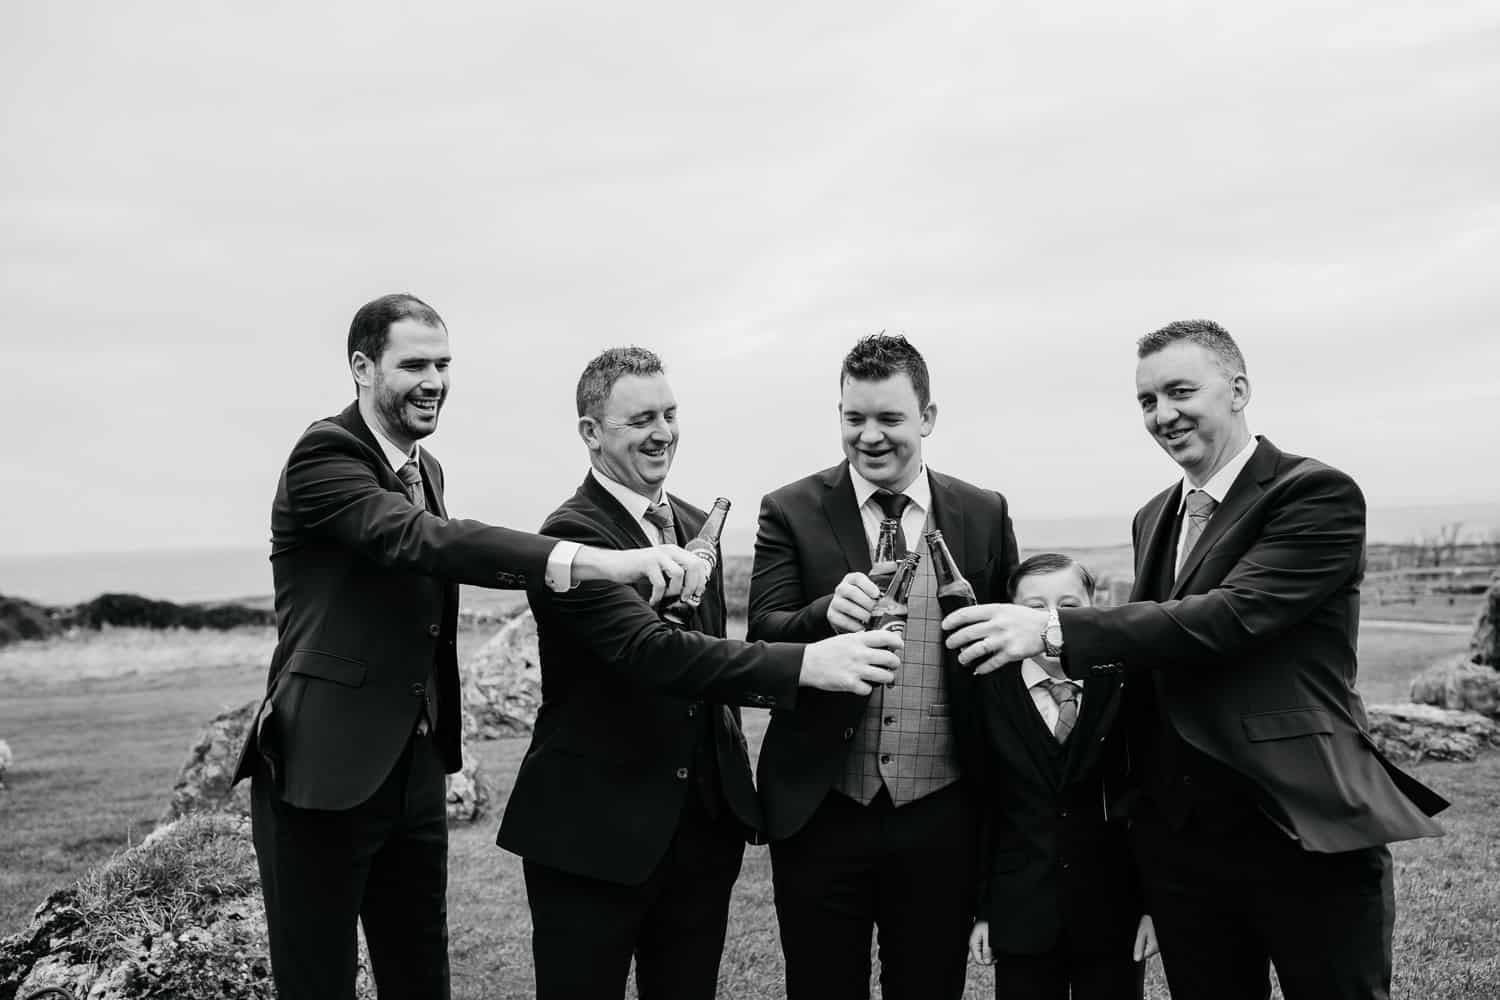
98 742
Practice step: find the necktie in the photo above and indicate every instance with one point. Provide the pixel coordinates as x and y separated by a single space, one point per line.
1066 696
893 505
1200 507
411 476
660 514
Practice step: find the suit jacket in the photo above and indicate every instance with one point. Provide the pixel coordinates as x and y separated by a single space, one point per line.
601 788
810 536
1254 650
366 605
1055 859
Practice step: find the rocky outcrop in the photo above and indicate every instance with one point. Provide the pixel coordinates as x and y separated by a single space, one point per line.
1459 685
1412 733
6 759
203 784
24 620
1484 648
468 792
134 611
180 915
502 682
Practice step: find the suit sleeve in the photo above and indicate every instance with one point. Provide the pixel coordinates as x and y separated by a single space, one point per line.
614 622
779 608
1311 544
333 493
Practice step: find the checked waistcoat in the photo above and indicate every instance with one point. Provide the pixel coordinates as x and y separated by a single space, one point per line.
904 741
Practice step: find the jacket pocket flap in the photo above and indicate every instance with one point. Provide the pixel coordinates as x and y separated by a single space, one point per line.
1286 724
339 669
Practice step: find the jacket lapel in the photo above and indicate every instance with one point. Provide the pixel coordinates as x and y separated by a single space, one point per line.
1101 702
430 483
1246 489
1155 547
843 517
626 526
948 517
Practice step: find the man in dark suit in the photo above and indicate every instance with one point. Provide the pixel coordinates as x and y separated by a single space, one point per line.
634 801
361 715
1266 807
869 824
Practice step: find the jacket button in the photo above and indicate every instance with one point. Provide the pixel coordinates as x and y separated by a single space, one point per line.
434 631
417 690
1062 814
890 720
849 733
682 774
885 758
692 711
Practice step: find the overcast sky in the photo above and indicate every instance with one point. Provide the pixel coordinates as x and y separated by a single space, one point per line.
196 197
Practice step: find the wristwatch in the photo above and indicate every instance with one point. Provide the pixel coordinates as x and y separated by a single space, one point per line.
1052 637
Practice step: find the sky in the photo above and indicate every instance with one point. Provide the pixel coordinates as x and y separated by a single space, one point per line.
194 199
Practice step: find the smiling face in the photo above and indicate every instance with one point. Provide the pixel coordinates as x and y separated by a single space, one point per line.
404 390
882 426
633 437
1057 589
1193 407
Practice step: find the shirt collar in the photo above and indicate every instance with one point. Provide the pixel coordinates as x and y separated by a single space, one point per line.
395 456
1032 674
632 501
1219 483
920 489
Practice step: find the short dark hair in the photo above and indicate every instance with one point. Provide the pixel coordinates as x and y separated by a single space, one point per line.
1051 562
1203 332
881 355
372 324
600 375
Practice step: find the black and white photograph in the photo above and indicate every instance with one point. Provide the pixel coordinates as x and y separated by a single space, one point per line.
826 502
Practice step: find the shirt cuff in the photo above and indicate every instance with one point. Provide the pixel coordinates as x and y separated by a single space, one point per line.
560 566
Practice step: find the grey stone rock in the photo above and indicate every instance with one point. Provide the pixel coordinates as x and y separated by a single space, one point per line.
102 939
502 682
6 760
203 784
1460 685
1484 648
468 792
1412 733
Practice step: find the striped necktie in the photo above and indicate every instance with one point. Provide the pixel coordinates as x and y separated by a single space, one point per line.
660 514
1066 696
1200 507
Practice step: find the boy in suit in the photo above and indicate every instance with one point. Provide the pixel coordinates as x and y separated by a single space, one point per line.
1060 906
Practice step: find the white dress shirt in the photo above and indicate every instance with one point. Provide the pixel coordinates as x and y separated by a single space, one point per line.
912 519
636 504
1217 488
559 576
1034 677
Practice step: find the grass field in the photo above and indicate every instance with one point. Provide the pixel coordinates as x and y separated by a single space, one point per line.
99 725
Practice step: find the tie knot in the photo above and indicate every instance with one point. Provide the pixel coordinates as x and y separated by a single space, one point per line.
893 504
1062 692
1200 506
410 474
660 514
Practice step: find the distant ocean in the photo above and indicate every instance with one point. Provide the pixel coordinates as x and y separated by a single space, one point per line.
240 573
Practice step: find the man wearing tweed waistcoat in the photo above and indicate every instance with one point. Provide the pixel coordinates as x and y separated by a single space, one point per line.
870 826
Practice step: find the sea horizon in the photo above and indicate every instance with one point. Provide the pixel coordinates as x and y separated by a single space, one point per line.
231 573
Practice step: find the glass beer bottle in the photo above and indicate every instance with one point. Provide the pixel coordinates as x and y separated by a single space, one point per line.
704 545
889 613
883 566
953 591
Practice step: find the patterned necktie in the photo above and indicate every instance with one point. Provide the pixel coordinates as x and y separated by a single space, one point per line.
1200 507
1066 696
412 477
660 514
893 505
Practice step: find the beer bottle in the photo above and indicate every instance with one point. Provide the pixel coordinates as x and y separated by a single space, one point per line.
889 613
883 566
704 545
953 591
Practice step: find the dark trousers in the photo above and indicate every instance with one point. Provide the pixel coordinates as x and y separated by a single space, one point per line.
383 863
1051 976
585 931
1230 904
908 871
